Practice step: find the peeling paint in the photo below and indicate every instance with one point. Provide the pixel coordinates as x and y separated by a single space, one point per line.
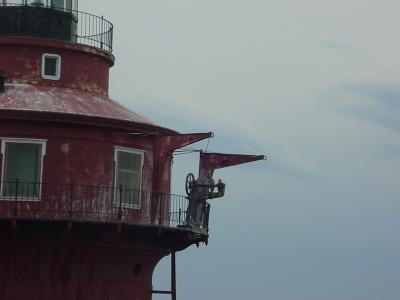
82 67
66 101
65 148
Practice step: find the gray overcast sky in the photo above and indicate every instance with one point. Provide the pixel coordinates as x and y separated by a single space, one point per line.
313 84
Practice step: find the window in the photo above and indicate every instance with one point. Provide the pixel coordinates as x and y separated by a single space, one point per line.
51 66
22 167
128 176
36 2
65 4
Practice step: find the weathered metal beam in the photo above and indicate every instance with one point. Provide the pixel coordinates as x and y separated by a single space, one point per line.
164 145
211 161
173 276
172 292
161 292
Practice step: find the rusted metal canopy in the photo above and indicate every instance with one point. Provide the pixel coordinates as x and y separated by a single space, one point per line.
68 102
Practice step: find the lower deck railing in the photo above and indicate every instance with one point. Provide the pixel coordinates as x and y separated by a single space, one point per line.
91 203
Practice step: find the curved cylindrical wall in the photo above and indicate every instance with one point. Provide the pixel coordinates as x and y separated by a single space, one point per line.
84 156
81 67
57 261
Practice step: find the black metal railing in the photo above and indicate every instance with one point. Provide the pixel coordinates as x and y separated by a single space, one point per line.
71 201
43 19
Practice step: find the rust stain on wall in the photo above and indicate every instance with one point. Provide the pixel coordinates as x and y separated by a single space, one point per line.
65 148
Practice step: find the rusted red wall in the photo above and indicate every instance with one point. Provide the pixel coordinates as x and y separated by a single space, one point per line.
74 272
84 155
82 67
81 263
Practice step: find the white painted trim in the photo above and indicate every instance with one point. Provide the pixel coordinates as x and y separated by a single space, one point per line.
21 141
58 66
134 151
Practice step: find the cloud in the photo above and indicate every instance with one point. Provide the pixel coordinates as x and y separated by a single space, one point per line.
334 45
389 151
373 102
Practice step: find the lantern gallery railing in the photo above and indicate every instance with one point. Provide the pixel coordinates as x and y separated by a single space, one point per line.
48 20
79 202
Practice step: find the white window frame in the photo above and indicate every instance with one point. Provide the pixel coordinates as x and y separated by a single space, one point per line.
4 141
134 151
58 66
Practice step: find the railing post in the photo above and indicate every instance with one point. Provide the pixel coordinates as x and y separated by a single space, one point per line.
180 216
111 38
101 32
16 197
71 198
120 202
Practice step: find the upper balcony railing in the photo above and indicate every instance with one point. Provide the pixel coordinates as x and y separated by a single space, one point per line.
44 19
77 202
71 201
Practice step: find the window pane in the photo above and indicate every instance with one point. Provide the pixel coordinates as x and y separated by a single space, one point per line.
129 161
50 66
58 3
69 4
36 2
128 180
22 163
129 197
129 172
130 187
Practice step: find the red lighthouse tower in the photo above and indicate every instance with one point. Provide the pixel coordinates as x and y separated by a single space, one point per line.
86 210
